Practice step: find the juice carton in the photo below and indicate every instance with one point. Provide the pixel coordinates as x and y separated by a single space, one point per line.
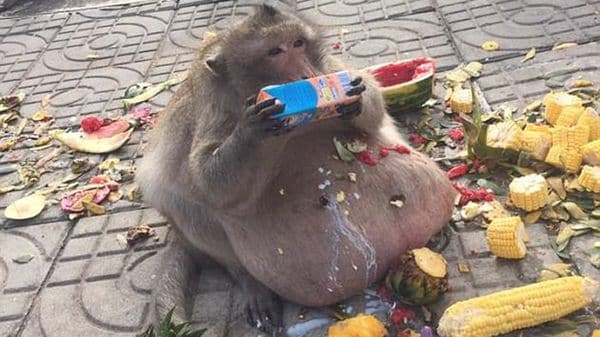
312 99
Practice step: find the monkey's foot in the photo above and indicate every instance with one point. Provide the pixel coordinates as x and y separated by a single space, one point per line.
264 311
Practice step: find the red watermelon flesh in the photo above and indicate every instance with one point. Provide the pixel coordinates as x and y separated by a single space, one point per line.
404 71
110 130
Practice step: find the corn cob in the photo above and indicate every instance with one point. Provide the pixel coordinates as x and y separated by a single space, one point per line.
591 153
569 115
566 147
505 237
590 178
538 128
556 102
505 135
461 101
512 309
590 118
537 143
529 192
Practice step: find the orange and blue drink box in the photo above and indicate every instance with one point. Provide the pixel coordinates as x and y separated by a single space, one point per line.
310 100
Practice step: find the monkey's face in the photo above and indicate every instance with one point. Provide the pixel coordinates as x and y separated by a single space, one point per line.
270 47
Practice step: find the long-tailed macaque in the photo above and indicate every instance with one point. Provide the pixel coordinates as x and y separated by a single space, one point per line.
252 197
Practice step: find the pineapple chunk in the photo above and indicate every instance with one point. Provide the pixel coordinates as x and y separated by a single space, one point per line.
529 192
358 326
591 153
537 143
505 135
461 101
556 102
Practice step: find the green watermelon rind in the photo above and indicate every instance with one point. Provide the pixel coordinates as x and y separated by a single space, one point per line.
408 95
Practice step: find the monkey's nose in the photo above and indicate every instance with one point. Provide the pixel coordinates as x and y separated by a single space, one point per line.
304 77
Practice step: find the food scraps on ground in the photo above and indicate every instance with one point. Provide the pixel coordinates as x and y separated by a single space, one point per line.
81 142
139 232
529 192
358 326
25 208
506 237
419 277
508 310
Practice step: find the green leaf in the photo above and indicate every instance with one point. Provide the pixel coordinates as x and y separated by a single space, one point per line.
356 146
490 186
560 253
595 257
150 92
342 151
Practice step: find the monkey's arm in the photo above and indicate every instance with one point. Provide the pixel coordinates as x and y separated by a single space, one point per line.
373 105
241 162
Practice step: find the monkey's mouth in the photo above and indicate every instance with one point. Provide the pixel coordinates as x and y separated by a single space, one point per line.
301 71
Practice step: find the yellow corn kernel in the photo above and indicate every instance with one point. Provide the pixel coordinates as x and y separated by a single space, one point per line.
506 237
596 333
556 102
569 115
529 192
590 178
358 326
508 310
538 128
505 135
591 153
568 160
590 118
461 101
537 143
565 152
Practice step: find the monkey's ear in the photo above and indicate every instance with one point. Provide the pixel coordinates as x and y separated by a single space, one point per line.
266 10
216 64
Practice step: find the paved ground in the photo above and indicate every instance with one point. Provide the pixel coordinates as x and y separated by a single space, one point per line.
83 282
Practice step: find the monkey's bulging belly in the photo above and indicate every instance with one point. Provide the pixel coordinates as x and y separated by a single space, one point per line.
319 237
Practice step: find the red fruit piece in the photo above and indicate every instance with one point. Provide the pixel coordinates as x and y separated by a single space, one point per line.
417 139
456 134
458 171
91 124
401 315
467 194
367 158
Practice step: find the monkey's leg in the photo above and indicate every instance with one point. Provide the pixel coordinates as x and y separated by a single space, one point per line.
174 289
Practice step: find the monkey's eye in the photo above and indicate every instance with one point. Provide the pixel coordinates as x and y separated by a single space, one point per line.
298 43
275 51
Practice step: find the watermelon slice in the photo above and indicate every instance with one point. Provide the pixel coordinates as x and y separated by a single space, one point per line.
83 142
109 130
405 84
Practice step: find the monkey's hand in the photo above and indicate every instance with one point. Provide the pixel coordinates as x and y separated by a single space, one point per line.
258 117
350 111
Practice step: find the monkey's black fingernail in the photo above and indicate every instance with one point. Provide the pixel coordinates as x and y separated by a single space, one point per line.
263 104
272 110
356 81
356 90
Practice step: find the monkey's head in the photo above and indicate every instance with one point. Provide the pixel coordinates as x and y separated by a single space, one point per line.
268 47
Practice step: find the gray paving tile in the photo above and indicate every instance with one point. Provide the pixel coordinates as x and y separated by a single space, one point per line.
19 282
99 284
518 26
518 84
